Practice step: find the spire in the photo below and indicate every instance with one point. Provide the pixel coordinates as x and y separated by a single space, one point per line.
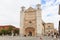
38 6
30 9
22 8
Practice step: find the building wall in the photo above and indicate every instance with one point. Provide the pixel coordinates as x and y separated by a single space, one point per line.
49 28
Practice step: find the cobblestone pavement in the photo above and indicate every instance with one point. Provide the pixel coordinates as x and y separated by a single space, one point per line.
25 38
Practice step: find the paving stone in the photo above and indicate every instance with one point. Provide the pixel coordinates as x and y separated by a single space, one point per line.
26 38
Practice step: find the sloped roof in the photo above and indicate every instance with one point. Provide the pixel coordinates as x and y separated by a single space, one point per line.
30 9
8 26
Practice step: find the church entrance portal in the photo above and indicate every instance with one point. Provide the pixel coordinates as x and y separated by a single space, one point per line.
30 34
30 31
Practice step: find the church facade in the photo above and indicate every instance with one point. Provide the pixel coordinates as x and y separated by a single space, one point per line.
31 23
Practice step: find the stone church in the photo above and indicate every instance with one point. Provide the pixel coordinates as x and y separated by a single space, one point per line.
31 23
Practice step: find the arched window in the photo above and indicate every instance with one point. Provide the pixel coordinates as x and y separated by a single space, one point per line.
30 22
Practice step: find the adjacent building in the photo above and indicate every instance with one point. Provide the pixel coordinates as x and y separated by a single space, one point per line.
7 27
9 30
49 28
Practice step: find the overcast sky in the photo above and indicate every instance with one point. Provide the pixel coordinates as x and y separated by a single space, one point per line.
10 11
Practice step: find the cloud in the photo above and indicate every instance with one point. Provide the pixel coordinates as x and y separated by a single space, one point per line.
43 2
49 15
10 10
28 3
50 12
9 13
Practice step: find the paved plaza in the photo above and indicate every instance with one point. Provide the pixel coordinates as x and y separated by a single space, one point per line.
25 38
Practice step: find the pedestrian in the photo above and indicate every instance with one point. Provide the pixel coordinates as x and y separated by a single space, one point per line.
52 35
41 38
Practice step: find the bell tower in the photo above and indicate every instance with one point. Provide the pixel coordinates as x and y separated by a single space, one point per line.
39 20
22 20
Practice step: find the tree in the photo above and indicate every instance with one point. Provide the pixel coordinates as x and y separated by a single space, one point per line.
0 33
10 30
16 31
4 32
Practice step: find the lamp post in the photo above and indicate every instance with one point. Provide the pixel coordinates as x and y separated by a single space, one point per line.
59 28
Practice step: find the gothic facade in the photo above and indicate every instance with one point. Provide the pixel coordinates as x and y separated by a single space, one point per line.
31 23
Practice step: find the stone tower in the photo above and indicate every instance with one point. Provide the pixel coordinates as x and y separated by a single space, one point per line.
22 20
31 21
39 20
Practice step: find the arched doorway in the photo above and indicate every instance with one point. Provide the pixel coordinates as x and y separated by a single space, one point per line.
30 31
